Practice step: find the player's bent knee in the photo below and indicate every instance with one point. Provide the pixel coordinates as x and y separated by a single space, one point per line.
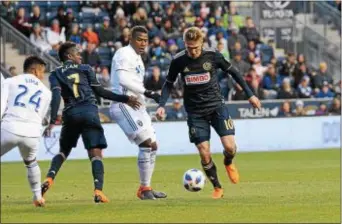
144 139
231 148
94 153
29 162
154 146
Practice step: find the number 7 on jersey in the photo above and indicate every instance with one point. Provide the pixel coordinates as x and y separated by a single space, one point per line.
75 76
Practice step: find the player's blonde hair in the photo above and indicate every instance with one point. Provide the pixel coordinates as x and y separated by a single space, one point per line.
193 34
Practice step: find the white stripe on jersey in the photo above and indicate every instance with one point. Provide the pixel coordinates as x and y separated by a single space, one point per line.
28 101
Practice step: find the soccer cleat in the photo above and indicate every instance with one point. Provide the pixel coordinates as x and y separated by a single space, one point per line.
99 197
233 173
46 185
39 203
217 193
145 193
158 194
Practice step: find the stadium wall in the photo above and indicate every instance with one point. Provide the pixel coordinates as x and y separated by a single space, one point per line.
252 135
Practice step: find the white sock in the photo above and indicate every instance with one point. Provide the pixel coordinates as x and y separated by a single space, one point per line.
152 162
144 158
34 178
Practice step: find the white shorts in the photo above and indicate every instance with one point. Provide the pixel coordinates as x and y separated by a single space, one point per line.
136 124
28 146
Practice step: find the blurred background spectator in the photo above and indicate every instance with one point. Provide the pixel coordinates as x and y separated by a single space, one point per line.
176 112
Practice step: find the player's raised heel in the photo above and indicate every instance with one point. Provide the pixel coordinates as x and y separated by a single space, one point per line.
217 193
99 197
39 203
46 185
145 193
233 173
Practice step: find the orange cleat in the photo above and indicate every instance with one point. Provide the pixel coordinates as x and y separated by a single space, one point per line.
99 197
217 193
46 185
233 173
39 203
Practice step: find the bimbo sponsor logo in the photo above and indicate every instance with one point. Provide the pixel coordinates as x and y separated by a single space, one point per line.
197 79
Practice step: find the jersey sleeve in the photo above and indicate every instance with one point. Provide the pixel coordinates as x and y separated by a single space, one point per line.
54 83
91 76
173 72
121 62
4 96
221 62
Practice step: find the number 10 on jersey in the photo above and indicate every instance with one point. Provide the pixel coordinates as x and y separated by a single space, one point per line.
76 78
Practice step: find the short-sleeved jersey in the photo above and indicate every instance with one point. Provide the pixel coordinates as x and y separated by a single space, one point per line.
128 60
202 93
75 82
28 101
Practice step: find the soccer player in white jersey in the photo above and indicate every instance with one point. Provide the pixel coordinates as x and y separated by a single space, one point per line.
28 101
127 77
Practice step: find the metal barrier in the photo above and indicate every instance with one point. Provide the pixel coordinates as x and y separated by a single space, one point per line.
9 34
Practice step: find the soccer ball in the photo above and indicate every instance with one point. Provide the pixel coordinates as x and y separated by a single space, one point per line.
193 180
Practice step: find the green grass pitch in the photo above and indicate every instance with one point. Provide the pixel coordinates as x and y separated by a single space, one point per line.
288 186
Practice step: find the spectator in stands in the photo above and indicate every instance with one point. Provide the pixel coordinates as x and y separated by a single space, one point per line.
288 66
70 20
335 108
251 75
271 82
124 38
177 111
252 48
258 91
155 81
238 48
304 89
286 91
75 35
36 17
7 11
90 36
169 32
299 73
259 68
90 56
21 22
224 52
325 92
104 77
13 71
38 38
55 35
266 52
156 13
236 37
172 16
172 48
140 17
322 110
217 28
299 110
106 33
153 31
250 31
240 64
322 76
214 40
285 110
337 88
119 28
156 51
61 17
250 58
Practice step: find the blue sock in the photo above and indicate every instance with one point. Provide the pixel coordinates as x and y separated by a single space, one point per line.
98 171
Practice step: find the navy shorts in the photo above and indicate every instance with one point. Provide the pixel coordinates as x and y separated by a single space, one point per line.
219 119
82 121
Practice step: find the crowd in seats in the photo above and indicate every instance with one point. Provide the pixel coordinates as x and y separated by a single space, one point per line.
100 28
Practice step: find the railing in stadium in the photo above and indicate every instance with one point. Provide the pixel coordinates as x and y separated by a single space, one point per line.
9 34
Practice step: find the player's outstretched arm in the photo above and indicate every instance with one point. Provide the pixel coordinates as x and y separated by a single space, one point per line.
133 86
130 100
